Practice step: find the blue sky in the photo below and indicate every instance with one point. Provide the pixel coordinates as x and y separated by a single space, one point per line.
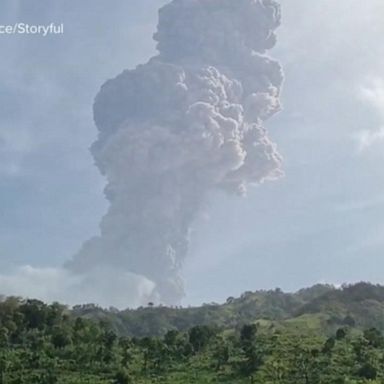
322 222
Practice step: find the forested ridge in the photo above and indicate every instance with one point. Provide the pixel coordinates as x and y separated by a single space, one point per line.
322 307
314 336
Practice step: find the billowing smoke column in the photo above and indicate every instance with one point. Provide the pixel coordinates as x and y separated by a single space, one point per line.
172 130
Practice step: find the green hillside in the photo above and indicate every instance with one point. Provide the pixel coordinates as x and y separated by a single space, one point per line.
319 335
323 307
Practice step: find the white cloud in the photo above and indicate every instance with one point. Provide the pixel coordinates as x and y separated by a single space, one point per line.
59 284
367 138
373 94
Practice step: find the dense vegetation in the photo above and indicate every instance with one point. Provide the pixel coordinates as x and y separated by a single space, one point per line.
324 341
322 307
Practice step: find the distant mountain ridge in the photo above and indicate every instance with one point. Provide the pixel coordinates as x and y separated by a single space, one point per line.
322 307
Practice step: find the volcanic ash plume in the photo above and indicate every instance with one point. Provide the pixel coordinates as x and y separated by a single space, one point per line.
172 130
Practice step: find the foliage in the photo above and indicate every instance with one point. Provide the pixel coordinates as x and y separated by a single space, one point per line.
49 344
321 307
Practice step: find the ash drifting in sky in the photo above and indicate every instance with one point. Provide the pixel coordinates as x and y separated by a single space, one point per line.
172 130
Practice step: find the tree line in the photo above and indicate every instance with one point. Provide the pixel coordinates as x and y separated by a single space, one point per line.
48 344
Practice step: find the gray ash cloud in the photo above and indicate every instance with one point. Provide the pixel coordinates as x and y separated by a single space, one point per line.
178 127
